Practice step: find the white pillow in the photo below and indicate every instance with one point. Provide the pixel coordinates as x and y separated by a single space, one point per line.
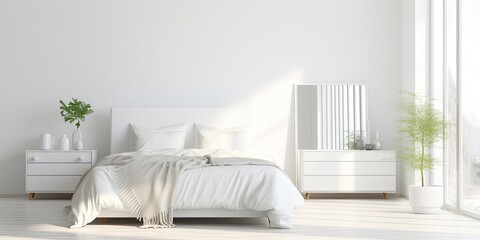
145 138
231 139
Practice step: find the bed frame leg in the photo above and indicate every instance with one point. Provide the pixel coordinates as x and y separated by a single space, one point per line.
103 220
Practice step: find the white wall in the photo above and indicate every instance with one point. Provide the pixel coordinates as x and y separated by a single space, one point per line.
117 53
407 77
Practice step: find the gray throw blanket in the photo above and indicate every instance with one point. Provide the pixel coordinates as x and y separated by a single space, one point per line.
147 183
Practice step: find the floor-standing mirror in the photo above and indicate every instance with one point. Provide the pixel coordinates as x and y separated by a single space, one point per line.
332 116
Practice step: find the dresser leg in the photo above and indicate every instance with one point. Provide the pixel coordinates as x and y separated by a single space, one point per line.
385 195
31 196
307 195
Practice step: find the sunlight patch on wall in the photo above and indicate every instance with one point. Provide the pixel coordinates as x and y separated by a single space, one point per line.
272 115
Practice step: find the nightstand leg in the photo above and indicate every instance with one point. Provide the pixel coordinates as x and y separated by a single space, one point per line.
307 195
31 196
385 195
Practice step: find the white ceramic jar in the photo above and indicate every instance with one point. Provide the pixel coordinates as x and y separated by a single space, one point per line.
64 143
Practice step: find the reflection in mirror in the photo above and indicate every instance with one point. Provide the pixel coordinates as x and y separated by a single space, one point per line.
331 116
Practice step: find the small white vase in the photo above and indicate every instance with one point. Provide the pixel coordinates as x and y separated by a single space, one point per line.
377 144
64 143
77 140
427 199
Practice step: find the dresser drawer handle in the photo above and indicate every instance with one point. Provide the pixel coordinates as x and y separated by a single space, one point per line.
35 158
81 158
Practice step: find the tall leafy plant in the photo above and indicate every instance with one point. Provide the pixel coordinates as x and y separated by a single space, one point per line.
422 125
76 110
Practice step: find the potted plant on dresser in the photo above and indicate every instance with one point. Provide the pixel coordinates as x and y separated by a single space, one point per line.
423 126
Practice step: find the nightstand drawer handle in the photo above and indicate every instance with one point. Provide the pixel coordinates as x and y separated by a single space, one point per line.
35 158
81 158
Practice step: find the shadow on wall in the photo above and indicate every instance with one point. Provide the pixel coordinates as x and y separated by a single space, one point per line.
103 124
14 164
16 170
290 166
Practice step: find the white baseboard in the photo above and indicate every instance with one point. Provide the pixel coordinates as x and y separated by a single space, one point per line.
40 196
354 195
13 195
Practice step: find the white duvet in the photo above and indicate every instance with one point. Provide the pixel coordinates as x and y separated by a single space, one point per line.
254 187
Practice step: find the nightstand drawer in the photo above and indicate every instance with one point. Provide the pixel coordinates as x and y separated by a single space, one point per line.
59 157
52 183
348 168
75 169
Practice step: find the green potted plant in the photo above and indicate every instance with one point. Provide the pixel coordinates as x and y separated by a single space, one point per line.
423 126
354 140
75 112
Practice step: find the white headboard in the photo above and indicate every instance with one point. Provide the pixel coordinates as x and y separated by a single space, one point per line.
263 134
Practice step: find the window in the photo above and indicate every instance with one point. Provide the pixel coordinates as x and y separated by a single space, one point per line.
469 131
455 35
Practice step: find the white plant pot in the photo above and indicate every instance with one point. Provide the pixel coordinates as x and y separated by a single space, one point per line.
428 199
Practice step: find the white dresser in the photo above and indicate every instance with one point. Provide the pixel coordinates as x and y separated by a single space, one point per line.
347 171
52 171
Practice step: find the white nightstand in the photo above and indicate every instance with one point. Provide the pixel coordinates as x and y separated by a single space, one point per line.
56 171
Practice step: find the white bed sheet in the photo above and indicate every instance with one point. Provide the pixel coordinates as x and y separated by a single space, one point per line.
255 187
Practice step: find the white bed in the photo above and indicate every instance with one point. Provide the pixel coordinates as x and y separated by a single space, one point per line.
275 206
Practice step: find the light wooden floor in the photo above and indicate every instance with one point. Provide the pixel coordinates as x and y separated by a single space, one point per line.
317 219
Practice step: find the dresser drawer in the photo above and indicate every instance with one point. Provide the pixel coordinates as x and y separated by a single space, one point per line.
75 169
335 184
69 156
52 183
348 168
347 156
